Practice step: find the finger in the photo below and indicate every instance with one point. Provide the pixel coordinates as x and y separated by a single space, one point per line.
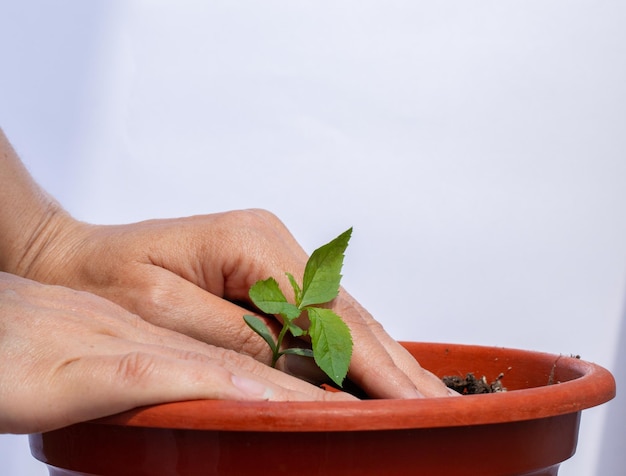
223 374
96 386
280 382
220 323
158 340
215 321
428 383
90 387
396 373
116 333
172 302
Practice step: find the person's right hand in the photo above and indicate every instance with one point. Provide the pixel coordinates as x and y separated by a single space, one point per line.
70 356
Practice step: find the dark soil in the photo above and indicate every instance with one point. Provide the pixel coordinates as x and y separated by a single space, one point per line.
470 385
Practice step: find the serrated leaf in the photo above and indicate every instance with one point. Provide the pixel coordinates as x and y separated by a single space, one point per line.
258 326
332 343
267 296
298 351
322 273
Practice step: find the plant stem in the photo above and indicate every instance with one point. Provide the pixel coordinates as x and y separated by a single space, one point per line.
279 343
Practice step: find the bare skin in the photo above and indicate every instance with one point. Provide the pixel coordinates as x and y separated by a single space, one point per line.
190 275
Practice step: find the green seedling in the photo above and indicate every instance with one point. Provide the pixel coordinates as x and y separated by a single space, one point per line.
331 341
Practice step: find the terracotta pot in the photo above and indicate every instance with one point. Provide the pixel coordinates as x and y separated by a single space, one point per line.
528 430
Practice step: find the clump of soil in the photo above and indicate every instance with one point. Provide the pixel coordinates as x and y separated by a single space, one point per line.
470 385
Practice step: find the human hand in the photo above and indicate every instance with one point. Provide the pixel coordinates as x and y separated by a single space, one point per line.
70 356
193 274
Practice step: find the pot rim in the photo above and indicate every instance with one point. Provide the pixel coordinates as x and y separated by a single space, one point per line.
592 385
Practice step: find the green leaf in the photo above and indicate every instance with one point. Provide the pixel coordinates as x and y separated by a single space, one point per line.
258 326
332 343
297 292
267 296
295 330
322 273
298 351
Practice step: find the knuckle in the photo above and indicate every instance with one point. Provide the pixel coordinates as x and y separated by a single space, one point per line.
252 345
151 299
239 360
260 215
253 220
136 367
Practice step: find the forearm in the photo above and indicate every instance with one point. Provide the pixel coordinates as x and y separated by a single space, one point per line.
29 217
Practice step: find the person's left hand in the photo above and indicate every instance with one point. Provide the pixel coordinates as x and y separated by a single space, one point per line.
70 356
192 275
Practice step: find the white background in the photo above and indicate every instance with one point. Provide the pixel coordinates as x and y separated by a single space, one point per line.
478 149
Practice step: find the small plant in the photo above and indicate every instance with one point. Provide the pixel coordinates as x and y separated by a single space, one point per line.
331 340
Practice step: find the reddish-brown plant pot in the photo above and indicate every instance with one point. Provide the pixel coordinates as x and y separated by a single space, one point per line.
528 430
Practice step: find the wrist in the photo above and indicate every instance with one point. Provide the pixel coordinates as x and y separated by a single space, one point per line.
33 226
38 240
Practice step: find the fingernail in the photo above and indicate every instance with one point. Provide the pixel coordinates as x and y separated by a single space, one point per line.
252 388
